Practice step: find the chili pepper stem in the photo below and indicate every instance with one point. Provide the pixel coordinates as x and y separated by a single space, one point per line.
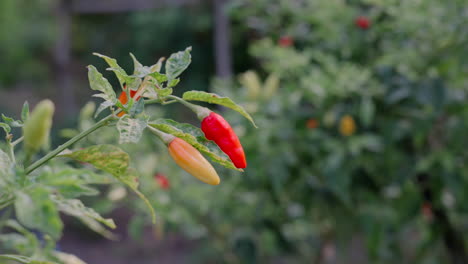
201 111
166 138
168 102
67 144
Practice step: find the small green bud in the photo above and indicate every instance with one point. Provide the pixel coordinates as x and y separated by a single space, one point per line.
87 111
36 130
271 85
251 82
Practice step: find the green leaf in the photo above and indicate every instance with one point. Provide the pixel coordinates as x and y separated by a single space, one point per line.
102 107
87 215
131 129
17 243
23 259
6 199
137 108
5 127
108 158
6 169
34 209
67 258
157 67
159 77
164 92
31 238
72 182
5 163
25 111
18 258
194 136
173 82
177 63
114 66
133 82
41 262
12 122
114 161
213 98
139 70
99 83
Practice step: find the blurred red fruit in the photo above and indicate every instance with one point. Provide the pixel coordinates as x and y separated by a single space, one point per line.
312 123
285 41
426 210
162 181
362 22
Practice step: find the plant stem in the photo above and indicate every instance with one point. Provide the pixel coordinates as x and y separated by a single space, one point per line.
7 203
70 142
169 102
201 111
19 140
11 148
159 101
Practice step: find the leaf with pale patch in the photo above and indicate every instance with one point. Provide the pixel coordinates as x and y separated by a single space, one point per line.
101 84
131 129
104 105
115 161
35 210
157 67
87 215
115 67
137 108
139 70
6 165
108 158
177 63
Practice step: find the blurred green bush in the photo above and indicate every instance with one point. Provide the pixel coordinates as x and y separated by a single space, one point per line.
360 140
361 136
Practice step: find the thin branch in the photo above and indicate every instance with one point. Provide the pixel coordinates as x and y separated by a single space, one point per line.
67 144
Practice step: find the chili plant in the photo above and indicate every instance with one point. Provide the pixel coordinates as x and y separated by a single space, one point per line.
38 190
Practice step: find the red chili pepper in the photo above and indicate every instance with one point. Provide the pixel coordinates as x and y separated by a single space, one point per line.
162 181
362 22
123 99
216 128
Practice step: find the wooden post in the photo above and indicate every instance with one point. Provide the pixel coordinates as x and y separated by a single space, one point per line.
222 40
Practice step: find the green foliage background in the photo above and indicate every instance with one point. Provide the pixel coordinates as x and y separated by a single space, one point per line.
396 185
395 188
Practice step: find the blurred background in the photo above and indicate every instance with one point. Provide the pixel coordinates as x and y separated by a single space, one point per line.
360 155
